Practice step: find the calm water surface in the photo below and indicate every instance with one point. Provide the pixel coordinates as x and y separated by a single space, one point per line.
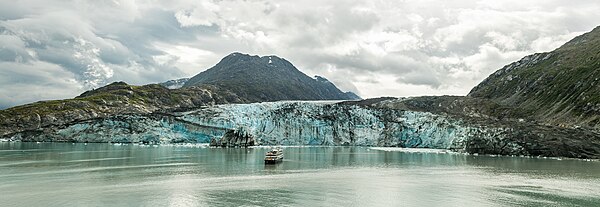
57 174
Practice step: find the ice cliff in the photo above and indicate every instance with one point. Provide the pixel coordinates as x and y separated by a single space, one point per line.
323 123
275 123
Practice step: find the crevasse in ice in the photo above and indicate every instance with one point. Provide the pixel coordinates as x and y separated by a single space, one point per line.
325 123
285 123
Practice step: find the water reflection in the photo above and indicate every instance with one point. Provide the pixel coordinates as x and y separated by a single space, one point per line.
103 174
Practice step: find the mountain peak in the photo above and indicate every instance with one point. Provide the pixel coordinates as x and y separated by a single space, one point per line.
239 55
266 78
242 58
174 84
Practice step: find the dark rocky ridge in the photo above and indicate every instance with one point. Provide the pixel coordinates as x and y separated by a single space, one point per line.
267 78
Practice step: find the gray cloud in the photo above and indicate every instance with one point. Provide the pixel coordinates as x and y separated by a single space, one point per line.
57 49
49 81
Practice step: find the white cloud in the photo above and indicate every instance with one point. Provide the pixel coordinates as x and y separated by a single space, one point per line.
188 59
95 71
375 48
202 14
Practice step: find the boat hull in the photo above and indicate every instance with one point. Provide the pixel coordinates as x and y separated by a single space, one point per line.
273 160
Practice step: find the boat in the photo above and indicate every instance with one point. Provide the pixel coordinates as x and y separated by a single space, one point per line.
274 156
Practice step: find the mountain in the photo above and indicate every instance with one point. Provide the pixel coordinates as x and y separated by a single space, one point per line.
267 78
561 87
174 84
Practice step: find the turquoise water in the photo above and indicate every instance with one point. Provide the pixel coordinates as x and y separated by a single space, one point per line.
60 174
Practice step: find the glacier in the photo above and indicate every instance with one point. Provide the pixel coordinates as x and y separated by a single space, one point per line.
285 123
326 123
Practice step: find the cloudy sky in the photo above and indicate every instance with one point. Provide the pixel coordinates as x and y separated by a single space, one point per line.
58 49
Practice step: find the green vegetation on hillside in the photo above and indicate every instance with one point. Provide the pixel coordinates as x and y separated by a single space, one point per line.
560 87
114 99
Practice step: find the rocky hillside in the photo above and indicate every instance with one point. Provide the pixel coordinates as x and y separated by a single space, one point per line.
267 78
114 99
560 88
